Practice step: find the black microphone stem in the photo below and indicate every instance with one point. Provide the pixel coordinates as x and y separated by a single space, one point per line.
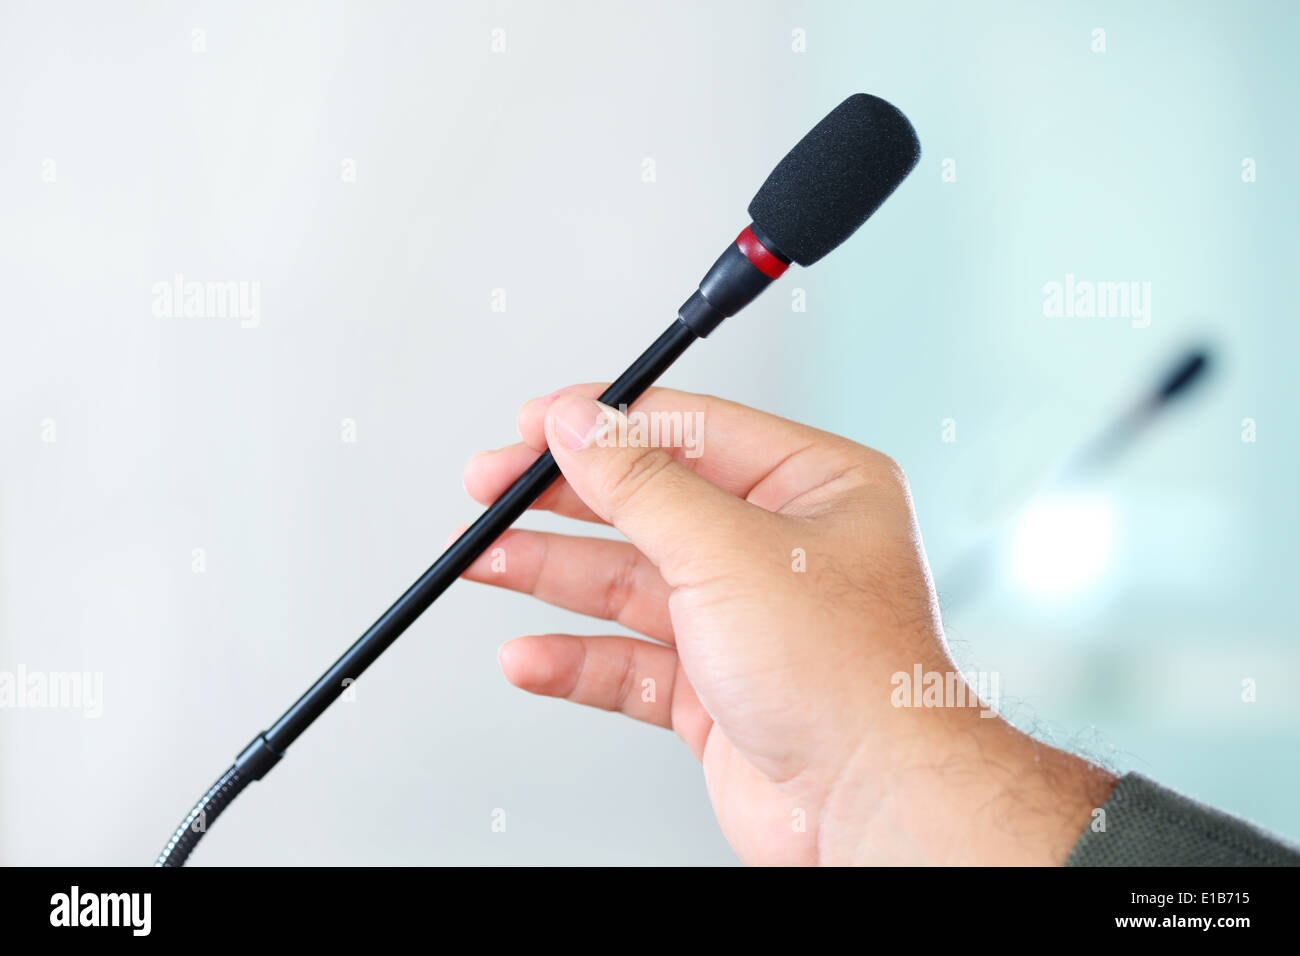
268 747
815 198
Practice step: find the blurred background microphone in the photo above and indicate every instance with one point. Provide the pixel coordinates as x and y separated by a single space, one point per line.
1058 536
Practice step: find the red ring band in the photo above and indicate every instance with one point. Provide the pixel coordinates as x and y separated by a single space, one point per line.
757 253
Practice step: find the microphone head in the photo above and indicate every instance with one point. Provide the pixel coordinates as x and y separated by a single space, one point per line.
1183 375
835 178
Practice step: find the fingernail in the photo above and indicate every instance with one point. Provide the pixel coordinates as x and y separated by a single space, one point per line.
544 400
534 406
471 465
578 421
504 654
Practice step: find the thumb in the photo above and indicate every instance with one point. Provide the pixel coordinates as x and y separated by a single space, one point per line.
688 528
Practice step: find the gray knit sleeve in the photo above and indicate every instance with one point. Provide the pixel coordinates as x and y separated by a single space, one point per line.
1146 824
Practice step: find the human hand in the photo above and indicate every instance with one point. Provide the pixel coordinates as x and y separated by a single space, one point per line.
782 582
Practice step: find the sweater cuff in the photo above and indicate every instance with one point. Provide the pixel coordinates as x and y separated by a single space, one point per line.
1146 824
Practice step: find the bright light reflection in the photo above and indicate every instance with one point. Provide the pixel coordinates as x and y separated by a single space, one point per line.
1062 545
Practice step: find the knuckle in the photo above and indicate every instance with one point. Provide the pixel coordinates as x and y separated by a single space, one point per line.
892 471
879 471
626 681
620 588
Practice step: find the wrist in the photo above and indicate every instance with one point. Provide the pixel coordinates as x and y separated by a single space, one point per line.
960 789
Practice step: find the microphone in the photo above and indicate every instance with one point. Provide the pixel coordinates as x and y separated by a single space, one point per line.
971 573
1177 379
815 198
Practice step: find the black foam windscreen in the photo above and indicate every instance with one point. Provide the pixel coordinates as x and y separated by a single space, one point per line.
835 178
